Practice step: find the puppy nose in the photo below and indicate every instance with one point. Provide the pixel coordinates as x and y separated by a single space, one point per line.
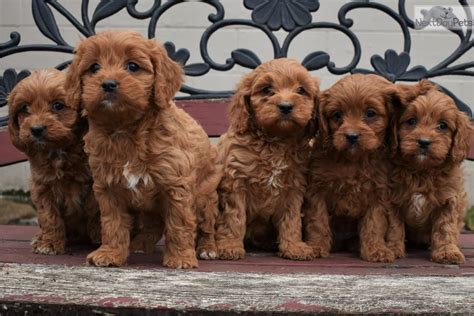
37 130
424 143
285 107
352 137
109 85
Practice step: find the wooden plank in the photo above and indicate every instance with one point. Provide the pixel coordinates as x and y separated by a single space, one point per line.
8 153
26 287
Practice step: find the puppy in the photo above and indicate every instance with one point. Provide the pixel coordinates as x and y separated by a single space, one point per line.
49 131
348 176
146 155
431 140
264 155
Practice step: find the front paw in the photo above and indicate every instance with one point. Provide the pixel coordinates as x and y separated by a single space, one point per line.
449 254
378 254
180 261
42 245
296 251
107 257
230 250
206 250
320 250
398 249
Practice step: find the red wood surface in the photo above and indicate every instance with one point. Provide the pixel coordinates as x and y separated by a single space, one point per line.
8 153
15 248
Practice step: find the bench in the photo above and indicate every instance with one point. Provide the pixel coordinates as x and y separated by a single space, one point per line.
261 283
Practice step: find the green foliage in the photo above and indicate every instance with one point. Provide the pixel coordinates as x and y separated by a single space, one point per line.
470 218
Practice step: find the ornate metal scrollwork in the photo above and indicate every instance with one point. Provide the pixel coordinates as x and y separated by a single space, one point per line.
269 16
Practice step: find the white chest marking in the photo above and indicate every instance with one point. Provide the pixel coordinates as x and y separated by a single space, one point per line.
134 179
277 168
418 201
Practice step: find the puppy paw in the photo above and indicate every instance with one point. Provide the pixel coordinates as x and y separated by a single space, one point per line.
142 244
449 254
398 249
230 250
180 262
379 254
206 250
320 251
107 257
44 246
297 251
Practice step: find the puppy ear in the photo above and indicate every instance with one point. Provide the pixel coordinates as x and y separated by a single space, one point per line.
73 84
403 94
240 106
13 126
461 138
324 99
313 125
168 74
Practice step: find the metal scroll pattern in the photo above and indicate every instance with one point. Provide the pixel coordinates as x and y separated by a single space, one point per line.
268 16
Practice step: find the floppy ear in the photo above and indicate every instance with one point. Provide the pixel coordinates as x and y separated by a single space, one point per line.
168 74
13 126
324 98
73 84
395 107
461 138
313 123
239 108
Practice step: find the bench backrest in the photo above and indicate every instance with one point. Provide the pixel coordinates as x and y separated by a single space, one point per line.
209 107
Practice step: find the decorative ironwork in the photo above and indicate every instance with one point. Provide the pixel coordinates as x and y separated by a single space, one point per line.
268 16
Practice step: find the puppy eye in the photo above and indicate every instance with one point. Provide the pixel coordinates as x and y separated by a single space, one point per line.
94 68
412 121
268 90
442 126
370 113
132 67
57 106
337 115
24 109
301 91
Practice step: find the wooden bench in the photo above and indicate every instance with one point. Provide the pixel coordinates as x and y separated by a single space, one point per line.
261 283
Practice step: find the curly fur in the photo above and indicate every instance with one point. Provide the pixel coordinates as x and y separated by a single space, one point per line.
348 180
264 155
146 154
427 183
61 182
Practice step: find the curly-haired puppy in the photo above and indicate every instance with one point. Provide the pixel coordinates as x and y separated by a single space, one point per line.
146 154
431 140
49 131
349 170
265 155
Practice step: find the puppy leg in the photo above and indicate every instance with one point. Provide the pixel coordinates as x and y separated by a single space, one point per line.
52 238
290 239
231 226
372 236
445 235
317 226
150 231
396 234
115 230
180 228
207 213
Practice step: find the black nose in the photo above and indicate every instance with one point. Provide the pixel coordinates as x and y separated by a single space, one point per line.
424 143
285 107
37 130
352 137
109 85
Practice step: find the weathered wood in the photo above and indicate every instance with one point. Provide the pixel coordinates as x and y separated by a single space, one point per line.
171 290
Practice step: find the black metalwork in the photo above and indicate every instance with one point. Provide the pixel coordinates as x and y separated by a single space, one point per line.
293 16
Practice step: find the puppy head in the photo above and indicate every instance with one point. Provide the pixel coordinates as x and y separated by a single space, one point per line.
354 114
278 97
39 116
430 129
119 75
